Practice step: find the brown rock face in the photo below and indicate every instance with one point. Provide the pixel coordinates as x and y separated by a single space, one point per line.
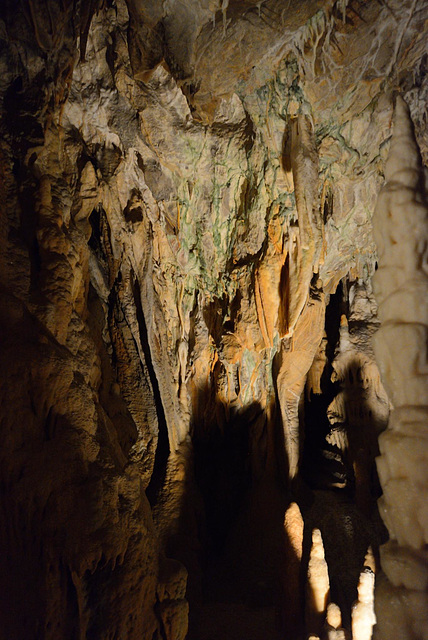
187 383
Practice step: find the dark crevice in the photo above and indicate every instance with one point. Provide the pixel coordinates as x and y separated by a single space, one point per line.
96 242
223 475
243 551
162 450
214 314
322 462
284 292
333 312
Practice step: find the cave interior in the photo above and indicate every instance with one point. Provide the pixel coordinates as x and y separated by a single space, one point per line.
213 320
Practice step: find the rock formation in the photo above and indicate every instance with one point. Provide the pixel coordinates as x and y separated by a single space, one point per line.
293 605
363 615
188 386
401 286
333 623
317 586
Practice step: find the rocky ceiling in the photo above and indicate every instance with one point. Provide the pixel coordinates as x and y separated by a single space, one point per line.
190 402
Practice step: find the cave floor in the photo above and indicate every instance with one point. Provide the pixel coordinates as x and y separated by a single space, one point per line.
236 621
235 607
241 584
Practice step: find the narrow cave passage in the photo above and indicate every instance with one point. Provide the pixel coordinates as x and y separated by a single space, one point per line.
244 557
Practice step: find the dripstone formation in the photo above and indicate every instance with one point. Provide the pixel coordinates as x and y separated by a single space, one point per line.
213 317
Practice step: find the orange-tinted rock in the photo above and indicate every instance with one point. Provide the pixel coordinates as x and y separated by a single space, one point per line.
182 186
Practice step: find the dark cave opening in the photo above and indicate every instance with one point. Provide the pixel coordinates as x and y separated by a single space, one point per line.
163 448
243 558
318 470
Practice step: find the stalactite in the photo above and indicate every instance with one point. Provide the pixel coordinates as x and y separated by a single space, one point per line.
305 242
291 365
401 287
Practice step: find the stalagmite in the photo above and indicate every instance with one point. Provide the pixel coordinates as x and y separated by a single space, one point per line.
305 245
317 586
370 560
293 527
363 615
333 624
401 288
334 615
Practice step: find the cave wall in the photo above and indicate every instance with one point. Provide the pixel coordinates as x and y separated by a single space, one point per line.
184 186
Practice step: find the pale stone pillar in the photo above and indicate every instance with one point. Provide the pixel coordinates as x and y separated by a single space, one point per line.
401 288
317 586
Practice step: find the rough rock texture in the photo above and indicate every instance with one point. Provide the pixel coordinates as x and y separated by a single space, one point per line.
401 286
363 615
185 216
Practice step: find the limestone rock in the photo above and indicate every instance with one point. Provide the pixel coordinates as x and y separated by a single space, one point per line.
370 560
293 606
183 186
333 624
401 286
363 615
317 586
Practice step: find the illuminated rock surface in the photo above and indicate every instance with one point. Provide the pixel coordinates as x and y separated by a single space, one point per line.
188 384
401 286
317 586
